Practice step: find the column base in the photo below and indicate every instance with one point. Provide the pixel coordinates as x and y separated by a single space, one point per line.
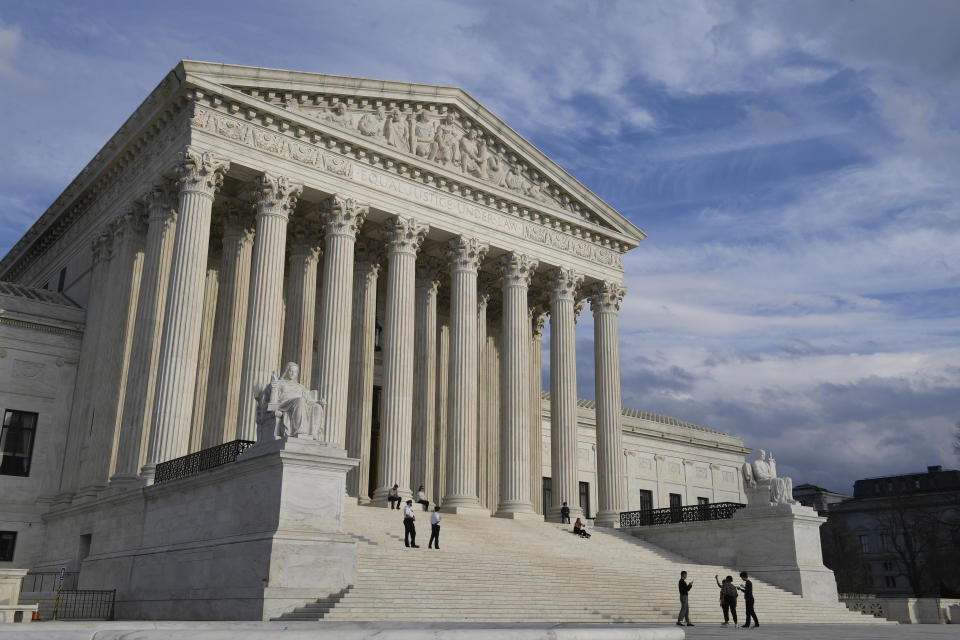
531 516
147 474
609 519
464 506
125 482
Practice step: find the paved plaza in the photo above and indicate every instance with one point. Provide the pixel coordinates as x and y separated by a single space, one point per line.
473 631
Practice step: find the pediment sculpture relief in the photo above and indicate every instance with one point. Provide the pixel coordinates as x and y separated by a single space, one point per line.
761 484
449 139
287 409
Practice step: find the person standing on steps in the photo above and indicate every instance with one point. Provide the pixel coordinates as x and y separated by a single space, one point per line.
747 589
435 527
409 530
564 514
728 599
394 496
422 498
684 600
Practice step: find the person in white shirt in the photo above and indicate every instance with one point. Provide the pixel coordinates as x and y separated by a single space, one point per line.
435 528
422 498
394 496
409 530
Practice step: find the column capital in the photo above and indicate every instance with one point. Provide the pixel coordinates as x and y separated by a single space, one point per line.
578 304
605 297
343 216
133 221
275 195
101 246
466 253
564 283
517 269
305 237
405 235
538 318
201 171
161 203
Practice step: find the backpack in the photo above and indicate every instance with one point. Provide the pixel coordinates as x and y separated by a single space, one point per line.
729 591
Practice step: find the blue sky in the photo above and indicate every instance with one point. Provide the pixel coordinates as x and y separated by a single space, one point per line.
794 164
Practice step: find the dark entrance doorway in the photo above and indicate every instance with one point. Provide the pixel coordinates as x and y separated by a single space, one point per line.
585 499
374 442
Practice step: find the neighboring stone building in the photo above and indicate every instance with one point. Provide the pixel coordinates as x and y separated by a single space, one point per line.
810 495
40 333
243 218
906 528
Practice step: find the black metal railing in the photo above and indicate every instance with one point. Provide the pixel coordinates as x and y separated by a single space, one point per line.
194 463
85 604
46 581
671 515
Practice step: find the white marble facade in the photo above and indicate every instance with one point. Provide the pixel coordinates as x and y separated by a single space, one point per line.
244 217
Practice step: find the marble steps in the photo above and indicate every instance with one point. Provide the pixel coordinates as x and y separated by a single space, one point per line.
496 569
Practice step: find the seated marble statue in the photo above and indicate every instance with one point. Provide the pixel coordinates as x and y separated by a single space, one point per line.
287 409
761 484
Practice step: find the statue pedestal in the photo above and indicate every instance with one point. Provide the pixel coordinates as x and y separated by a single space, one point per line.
777 544
781 545
245 541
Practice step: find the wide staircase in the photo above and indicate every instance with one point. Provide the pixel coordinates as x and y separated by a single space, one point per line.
496 570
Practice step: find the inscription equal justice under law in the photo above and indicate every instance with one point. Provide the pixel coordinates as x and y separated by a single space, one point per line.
487 218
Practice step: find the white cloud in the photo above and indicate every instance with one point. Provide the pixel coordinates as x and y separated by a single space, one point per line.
9 47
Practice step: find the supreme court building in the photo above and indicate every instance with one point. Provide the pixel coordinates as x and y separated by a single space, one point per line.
399 242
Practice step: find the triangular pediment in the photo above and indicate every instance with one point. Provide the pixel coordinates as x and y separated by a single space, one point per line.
438 126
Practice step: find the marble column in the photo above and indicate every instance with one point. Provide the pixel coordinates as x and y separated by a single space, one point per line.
113 350
145 349
515 500
396 402
343 218
275 198
79 426
484 286
538 318
440 407
605 302
492 430
424 375
563 392
366 270
207 325
201 174
461 495
223 394
302 299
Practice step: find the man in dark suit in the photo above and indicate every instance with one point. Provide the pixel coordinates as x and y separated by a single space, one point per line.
747 589
684 602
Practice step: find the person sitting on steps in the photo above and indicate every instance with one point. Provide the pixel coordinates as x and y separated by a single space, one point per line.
422 498
580 530
393 496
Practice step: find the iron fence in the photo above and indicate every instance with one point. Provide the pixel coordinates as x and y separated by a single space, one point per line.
194 463
671 515
46 581
85 604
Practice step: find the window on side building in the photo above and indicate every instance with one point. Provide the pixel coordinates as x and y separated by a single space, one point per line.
864 543
16 442
8 541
